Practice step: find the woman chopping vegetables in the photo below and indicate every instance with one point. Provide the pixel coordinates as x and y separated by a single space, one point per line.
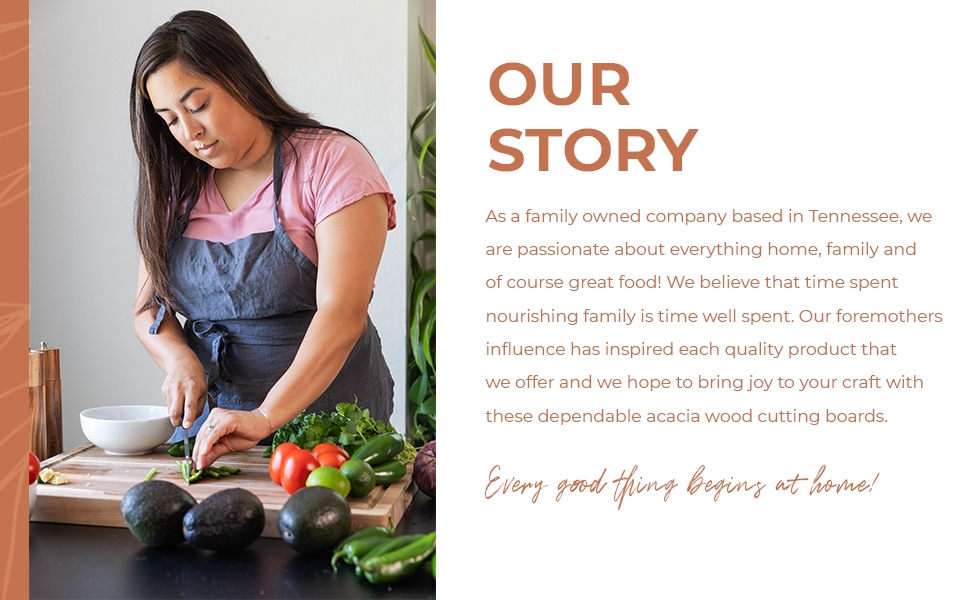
264 230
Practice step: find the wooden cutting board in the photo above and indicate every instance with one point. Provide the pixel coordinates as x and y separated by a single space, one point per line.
98 480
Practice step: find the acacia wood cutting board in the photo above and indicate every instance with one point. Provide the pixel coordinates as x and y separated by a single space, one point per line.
97 481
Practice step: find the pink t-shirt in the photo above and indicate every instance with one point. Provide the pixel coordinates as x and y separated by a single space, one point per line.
330 171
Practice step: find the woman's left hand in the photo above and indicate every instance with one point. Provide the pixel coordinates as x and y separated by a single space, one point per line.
228 431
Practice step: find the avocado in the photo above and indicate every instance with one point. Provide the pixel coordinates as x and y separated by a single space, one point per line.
153 511
314 519
226 521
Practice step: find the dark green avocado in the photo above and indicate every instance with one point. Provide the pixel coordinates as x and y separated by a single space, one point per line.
314 519
153 511
226 521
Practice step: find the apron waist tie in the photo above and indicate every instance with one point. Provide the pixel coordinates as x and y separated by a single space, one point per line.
153 329
158 320
218 338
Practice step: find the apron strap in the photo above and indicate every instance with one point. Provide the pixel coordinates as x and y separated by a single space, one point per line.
182 221
277 174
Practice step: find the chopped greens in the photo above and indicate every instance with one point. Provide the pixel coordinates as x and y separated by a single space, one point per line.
190 475
186 468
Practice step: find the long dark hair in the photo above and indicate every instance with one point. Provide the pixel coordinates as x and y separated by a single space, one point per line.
168 175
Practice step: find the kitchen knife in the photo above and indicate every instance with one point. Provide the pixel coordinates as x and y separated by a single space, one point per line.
185 444
185 466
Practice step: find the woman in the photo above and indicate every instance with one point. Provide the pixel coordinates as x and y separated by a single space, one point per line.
264 229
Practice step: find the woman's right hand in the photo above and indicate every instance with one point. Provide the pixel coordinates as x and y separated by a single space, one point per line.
184 390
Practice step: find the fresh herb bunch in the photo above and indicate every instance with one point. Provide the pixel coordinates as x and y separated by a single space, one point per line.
348 427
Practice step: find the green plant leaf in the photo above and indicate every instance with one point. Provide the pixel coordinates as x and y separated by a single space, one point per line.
421 118
419 436
419 389
430 159
428 408
428 236
428 326
410 204
428 145
425 411
416 349
428 197
416 268
429 48
422 286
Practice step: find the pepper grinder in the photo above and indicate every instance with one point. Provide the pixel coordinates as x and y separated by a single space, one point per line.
38 404
52 399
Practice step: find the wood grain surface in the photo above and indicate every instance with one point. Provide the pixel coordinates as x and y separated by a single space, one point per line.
97 481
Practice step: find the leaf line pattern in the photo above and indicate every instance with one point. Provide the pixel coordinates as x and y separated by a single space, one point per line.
11 322
14 519
16 91
16 171
14 53
14 317
20 176
16 429
15 129
5 27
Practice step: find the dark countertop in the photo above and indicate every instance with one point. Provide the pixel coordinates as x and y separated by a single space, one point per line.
77 561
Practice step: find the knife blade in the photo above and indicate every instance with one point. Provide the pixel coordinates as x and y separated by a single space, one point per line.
185 444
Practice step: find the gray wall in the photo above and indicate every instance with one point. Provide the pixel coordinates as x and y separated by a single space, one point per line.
347 63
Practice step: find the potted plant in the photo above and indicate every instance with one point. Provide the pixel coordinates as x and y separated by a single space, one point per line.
421 401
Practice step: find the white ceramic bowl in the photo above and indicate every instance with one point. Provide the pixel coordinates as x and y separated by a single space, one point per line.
127 430
33 497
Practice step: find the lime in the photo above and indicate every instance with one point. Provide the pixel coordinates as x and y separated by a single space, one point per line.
361 476
329 477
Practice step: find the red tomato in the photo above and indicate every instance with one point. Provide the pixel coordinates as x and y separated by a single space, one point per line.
33 467
322 448
276 462
330 459
296 468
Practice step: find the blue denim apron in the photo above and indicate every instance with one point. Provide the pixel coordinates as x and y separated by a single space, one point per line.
248 305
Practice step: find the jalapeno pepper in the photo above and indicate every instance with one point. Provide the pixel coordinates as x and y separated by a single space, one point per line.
217 472
355 549
389 472
191 476
368 531
390 546
355 546
176 449
380 449
186 468
393 564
